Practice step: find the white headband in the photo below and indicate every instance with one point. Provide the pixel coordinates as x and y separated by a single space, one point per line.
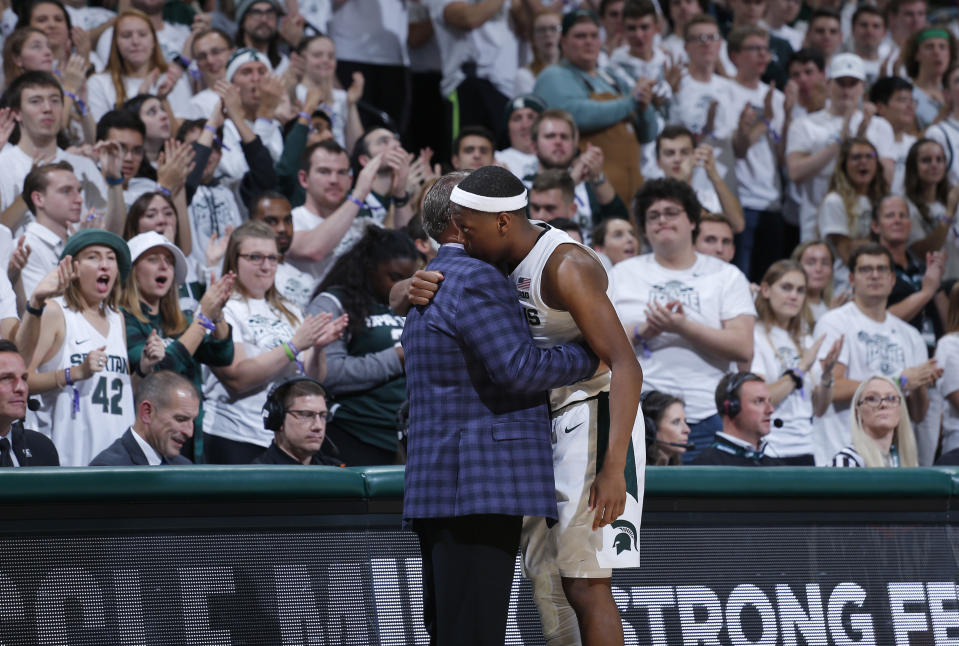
488 204
242 57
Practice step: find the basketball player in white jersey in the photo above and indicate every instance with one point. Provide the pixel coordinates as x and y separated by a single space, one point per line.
599 471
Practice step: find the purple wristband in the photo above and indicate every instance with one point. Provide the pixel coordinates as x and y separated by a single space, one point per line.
352 198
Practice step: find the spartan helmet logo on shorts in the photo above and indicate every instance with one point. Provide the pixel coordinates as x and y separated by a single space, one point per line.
626 536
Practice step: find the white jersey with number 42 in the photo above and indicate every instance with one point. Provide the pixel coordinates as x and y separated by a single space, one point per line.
106 398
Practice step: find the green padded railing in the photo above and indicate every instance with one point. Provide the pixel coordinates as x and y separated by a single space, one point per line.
279 483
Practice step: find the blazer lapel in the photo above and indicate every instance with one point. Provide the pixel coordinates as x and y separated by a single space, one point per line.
131 446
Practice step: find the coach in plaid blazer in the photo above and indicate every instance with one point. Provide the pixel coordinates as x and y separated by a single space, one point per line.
479 455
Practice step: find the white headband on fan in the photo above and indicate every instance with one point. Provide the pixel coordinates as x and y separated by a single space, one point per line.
488 204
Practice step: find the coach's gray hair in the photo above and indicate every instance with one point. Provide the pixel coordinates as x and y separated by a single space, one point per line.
158 388
437 208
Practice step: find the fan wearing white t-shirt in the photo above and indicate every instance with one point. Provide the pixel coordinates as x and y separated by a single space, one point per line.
875 342
893 98
37 102
325 226
758 146
786 358
690 316
813 142
679 158
946 132
702 101
274 210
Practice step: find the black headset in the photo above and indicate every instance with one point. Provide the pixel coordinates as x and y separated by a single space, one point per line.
273 410
731 403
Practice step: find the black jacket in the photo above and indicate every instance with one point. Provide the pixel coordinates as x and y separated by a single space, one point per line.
31 448
125 452
276 455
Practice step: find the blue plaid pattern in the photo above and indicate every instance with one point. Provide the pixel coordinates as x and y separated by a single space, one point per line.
479 436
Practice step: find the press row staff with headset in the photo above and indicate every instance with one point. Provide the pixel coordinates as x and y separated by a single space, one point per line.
297 413
746 409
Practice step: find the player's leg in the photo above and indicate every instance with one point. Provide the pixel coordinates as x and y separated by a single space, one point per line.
560 625
596 611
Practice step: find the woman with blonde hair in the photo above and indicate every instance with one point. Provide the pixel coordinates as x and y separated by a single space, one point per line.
817 259
785 356
136 66
272 339
881 432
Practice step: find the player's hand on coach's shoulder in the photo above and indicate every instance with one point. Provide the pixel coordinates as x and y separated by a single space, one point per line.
423 286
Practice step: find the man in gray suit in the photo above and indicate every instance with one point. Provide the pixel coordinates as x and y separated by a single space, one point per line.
166 404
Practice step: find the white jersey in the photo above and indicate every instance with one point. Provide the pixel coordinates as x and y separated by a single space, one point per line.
551 326
105 400
571 545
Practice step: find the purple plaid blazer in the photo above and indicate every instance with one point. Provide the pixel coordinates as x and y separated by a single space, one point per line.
479 435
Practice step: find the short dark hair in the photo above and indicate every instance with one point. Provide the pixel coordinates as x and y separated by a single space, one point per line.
718 218
895 6
8 346
38 179
725 390
120 120
699 19
867 9
329 145
824 13
674 131
604 5
34 79
268 194
638 9
808 55
304 388
551 178
473 131
738 36
414 228
437 208
869 249
565 224
884 88
157 387
206 32
665 189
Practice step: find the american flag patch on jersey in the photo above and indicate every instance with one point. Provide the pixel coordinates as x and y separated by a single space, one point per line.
523 283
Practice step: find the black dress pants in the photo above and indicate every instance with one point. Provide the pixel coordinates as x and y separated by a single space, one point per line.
468 564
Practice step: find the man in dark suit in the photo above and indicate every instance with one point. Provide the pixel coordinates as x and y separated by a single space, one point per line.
19 447
166 405
743 402
479 452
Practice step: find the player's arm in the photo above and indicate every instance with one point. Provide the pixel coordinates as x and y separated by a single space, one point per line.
578 284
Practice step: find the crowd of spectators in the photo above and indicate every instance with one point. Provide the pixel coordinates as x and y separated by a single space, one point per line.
205 206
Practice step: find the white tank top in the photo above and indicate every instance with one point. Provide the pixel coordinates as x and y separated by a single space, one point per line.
106 399
551 326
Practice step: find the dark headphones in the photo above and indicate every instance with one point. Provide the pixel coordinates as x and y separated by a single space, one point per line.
273 410
648 421
731 403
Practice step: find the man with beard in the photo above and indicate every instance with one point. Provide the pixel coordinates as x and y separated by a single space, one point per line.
555 138
273 209
258 29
